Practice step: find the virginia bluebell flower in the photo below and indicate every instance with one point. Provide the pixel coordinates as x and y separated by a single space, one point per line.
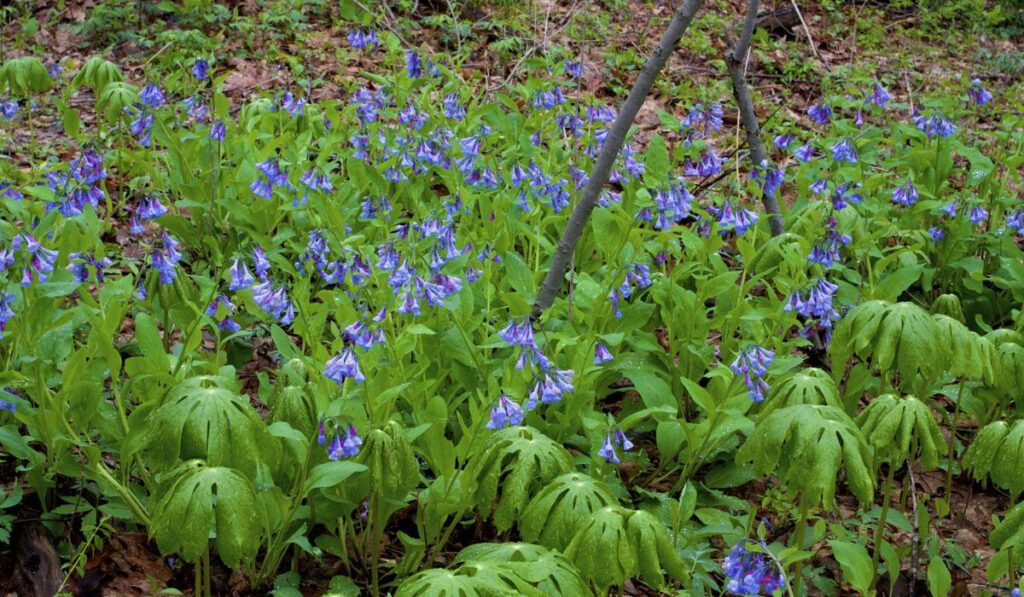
343 365
773 178
1015 221
607 450
152 96
360 39
6 312
240 276
200 69
413 64
623 441
844 151
950 208
905 195
8 406
550 388
844 194
935 125
150 209
602 355
274 300
709 165
749 573
752 363
782 142
505 414
880 96
8 109
574 69
936 233
225 308
977 215
295 106
978 94
453 110
217 131
701 121
738 220
820 113
804 153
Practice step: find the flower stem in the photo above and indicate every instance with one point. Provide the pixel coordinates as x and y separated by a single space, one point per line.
880 530
801 530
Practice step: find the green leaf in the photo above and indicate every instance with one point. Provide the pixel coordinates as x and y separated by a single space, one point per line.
199 501
201 419
853 558
331 474
899 429
557 511
516 462
939 579
997 453
806 446
656 163
654 391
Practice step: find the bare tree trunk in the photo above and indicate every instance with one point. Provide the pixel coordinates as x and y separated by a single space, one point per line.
748 117
609 151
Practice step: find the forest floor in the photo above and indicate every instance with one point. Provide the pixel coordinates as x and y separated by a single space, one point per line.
503 45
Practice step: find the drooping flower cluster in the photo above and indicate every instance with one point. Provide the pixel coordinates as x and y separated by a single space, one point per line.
40 259
607 450
221 309
738 219
752 363
905 195
977 93
506 413
817 308
344 442
638 277
826 253
79 186
935 125
271 176
550 384
78 265
750 573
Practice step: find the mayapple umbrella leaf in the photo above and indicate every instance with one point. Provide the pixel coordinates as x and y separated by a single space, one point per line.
616 544
198 502
471 579
201 419
516 462
949 305
893 337
549 571
387 454
806 446
115 101
901 428
971 356
997 454
806 386
1009 533
24 77
553 515
97 73
1011 357
295 406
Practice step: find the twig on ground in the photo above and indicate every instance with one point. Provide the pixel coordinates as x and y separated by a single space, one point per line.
810 39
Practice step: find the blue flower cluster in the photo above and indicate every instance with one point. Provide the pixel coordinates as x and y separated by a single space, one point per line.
750 573
752 363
